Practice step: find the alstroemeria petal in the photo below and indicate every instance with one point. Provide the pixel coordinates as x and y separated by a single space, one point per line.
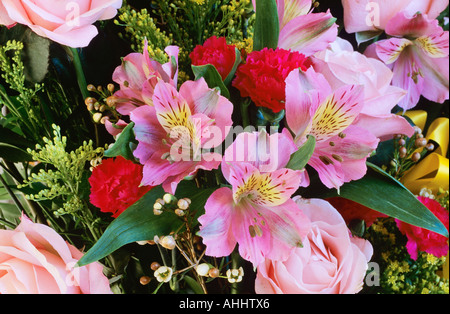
337 112
268 189
303 90
435 46
309 33
408 75
389 50
217 222
436 77
172 110
412 26
209 102
384 126
265 152
290 9
269 232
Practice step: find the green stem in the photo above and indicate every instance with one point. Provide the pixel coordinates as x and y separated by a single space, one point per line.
235 257
79 71
244 113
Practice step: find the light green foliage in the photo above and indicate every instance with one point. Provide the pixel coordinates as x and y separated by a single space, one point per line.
186 24
139 25
69 168
13 73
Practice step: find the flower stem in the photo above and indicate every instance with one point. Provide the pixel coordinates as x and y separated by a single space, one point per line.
235 265
244 113
73 52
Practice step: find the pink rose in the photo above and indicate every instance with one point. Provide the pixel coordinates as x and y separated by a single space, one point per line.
34 259
66 22
331 261
373 15
4 18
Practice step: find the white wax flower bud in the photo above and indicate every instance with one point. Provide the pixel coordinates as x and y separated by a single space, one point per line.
202 269
167 242
183 204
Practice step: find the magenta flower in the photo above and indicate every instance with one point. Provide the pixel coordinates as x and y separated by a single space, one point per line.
313 108
257 211
418 54
176 133
423 240
138 75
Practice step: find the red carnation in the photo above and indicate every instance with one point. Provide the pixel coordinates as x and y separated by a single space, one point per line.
262 77
217 52
424 240
115 185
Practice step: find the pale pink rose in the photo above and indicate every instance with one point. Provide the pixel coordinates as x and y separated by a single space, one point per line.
66 22
331 261
35 259
4 18
373 15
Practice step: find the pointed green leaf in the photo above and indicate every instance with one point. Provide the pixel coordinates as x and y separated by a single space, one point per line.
267 26
383 193
138 223
300 158
212 78
237 61
124 144
362 37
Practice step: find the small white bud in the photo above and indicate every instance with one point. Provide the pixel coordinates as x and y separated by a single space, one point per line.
202 269
167 242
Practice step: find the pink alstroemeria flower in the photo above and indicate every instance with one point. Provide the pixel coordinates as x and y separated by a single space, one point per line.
257 212
301 30
138 75
418 54
341 66
175 131
313 108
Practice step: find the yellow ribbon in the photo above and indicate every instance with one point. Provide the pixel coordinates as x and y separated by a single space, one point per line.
433 171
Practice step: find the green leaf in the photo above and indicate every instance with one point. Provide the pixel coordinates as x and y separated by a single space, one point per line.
8 136
267 26
13 153
383 193
362 37
212 78
193 284
237 61
36 55
138 223
124 144
300 158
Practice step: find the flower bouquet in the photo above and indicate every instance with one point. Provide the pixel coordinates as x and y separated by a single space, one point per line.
224 147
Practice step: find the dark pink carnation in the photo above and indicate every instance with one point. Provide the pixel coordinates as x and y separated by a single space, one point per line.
217 52
262 77
115 185
423 240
